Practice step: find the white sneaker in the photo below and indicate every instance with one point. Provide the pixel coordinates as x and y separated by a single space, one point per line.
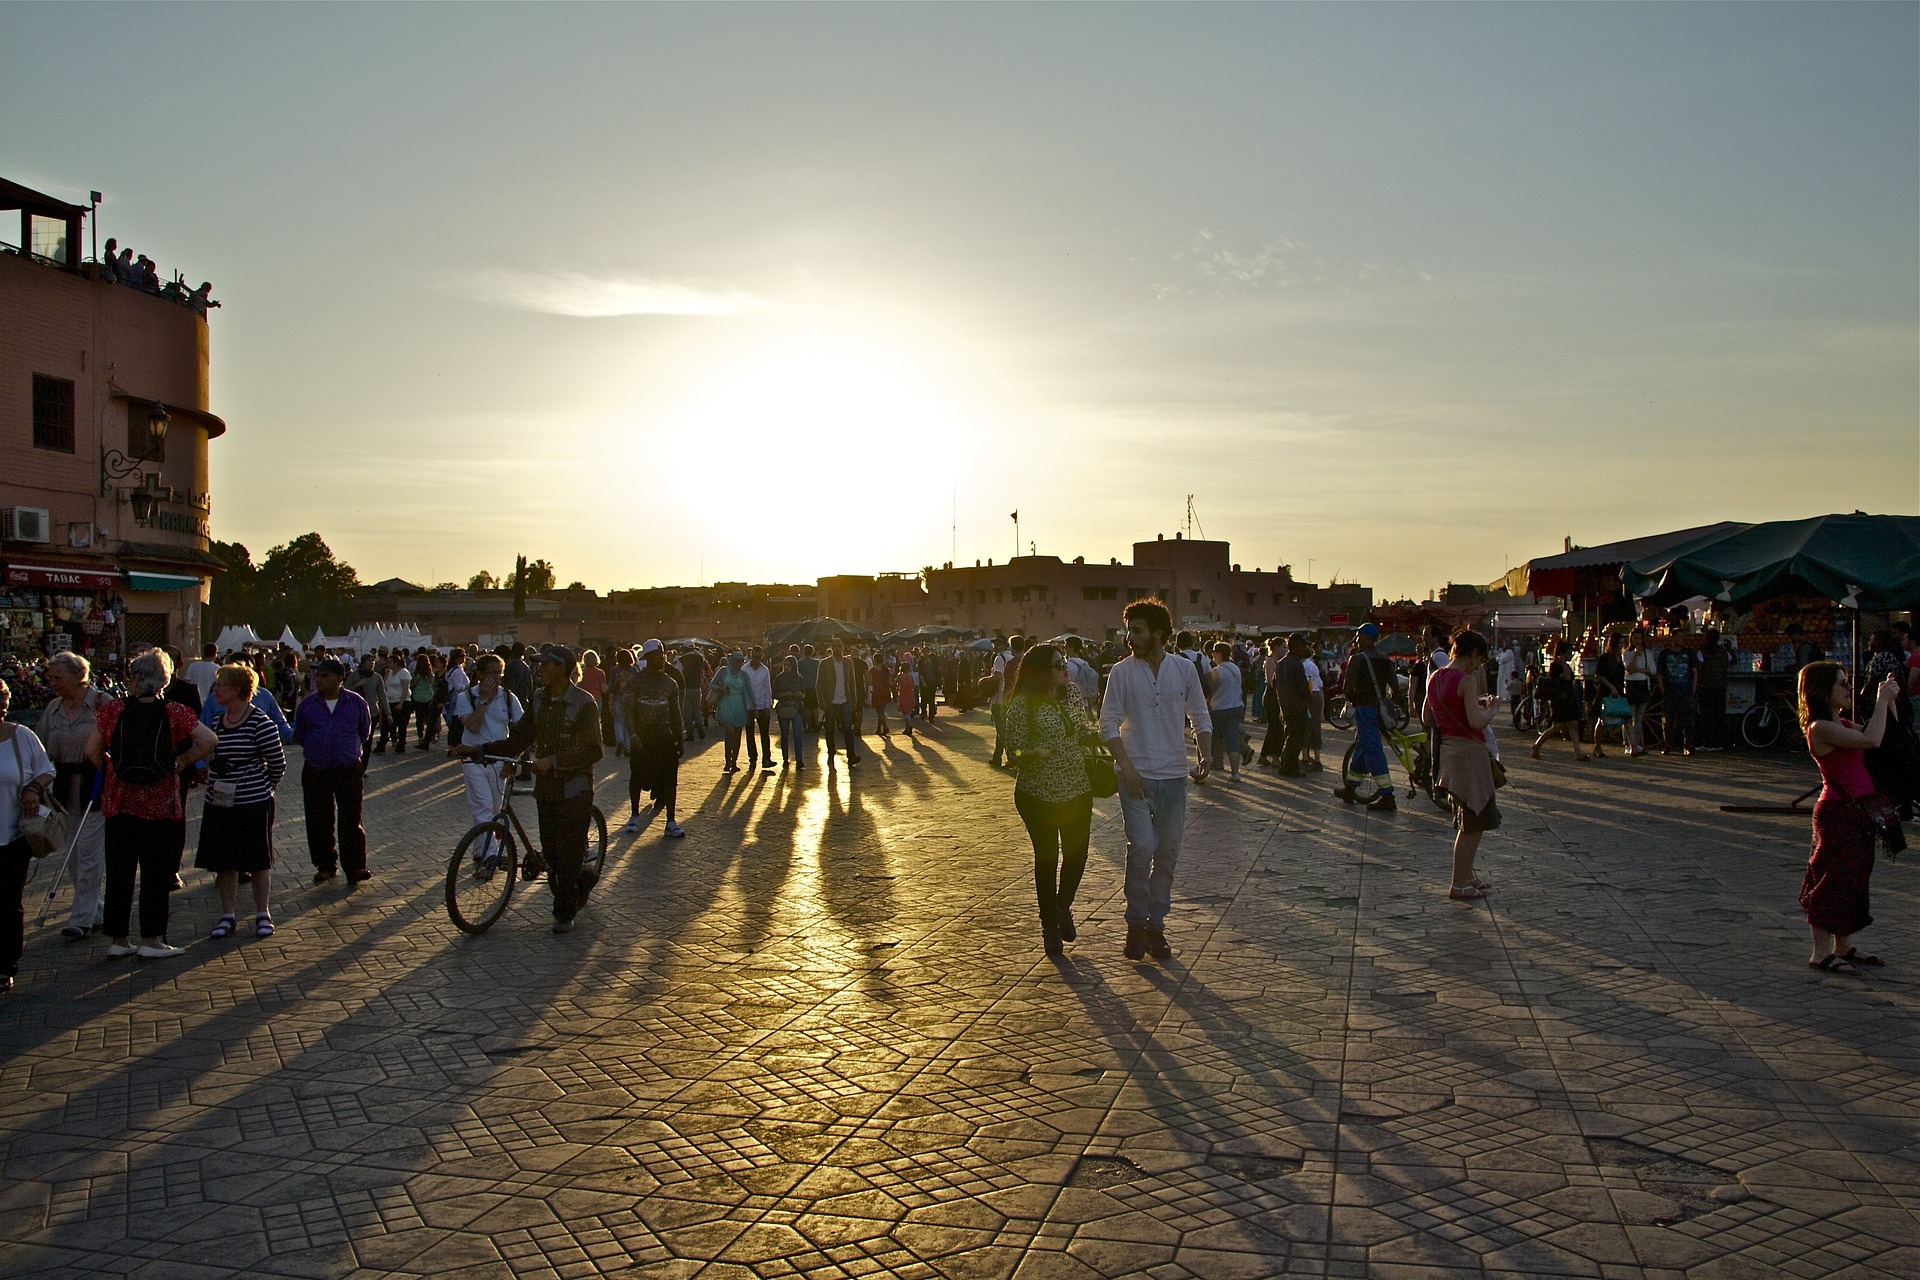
675 830
633 825
117 950
148 951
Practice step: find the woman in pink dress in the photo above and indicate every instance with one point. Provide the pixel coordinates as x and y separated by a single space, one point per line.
1834 891
907 691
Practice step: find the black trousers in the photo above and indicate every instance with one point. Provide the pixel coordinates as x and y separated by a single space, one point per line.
840 716
15 860
393 729
645 772
563 840
153 848
762 721
1710 716
1298 721
1275 738
1680 712
331 794
1060 833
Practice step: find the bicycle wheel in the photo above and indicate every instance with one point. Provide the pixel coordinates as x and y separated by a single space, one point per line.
477 887
595 860
1360 783
1339 714
1762 725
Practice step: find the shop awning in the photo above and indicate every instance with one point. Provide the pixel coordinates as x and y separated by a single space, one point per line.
1557 576
58 577
138 580
1858 560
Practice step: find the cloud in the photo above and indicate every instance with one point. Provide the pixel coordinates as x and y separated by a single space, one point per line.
571 293
1210 263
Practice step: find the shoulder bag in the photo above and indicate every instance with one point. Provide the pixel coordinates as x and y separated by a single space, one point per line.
46 830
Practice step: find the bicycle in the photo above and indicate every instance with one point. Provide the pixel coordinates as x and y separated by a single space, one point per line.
478 886
1771 716
1412 745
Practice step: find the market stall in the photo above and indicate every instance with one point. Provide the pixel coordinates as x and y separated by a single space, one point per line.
47 609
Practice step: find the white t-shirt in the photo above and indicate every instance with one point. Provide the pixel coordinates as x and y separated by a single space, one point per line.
1509 661
1148 711
503 711
1316 683
1226 690
200 675
1084 678
34 755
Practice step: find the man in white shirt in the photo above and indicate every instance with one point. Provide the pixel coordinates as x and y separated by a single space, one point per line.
759 707
200 674
1151 694
486 711
837 688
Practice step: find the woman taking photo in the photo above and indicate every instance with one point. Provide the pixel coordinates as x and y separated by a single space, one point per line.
65 726
236 825
1459 709
1834 891
1046 721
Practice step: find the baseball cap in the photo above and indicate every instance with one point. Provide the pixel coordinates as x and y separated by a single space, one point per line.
651 646
1368 629
331 666
557 653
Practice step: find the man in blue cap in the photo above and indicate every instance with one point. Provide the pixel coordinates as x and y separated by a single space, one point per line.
1369 692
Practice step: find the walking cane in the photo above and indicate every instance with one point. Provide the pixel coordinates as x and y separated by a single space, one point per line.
47 904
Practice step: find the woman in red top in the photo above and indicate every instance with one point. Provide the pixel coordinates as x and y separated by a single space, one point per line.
880 690
1834 891
1458 707
145 819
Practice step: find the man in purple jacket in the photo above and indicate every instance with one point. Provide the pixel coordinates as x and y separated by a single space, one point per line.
333 728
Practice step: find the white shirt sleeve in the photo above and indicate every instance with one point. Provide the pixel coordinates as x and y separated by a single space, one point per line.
1113 707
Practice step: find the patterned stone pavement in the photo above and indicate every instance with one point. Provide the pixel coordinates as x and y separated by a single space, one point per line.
819 1038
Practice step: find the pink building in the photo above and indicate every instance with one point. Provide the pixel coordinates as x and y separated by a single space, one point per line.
104 428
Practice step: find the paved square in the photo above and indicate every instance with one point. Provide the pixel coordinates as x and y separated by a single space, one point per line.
818 1037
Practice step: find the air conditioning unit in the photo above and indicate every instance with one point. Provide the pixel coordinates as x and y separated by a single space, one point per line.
24 524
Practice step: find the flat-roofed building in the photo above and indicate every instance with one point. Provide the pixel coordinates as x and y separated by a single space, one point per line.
1195 578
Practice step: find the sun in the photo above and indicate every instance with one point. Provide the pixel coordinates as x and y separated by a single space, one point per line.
846 436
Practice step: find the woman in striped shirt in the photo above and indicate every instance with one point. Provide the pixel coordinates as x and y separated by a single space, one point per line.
236 827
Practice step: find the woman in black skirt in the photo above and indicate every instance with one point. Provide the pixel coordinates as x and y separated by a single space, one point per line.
236 827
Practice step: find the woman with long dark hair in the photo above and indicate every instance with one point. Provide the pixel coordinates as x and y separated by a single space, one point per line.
1459 709
1834 891
1046 720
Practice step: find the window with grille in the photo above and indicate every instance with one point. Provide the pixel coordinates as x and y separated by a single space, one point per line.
52 413
142 442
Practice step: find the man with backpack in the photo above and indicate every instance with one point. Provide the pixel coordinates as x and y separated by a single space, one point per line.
334 730
1370 695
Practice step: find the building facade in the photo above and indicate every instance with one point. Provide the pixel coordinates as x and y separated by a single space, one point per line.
1196 579
104 429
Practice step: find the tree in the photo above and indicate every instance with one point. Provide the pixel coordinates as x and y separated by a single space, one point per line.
444 586
540 577
576 586
302 585
231 600
483 581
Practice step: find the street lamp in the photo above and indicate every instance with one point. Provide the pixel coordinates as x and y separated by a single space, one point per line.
142 502
118 466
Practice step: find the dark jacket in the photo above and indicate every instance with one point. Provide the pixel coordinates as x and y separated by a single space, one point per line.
566 728
1290 685
856 682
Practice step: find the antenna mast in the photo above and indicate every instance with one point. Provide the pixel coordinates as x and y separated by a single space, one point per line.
1193 521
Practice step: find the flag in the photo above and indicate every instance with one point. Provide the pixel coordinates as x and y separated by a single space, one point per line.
1015 517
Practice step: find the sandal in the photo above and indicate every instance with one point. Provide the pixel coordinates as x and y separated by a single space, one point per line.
222 929
1467 892
1834 964
263 926
1854 957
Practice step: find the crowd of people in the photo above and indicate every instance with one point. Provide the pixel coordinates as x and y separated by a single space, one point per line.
119 266
1072 719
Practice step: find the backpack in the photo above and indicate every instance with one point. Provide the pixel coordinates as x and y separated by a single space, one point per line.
142 746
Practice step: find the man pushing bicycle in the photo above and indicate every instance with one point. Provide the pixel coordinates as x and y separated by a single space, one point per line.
563 733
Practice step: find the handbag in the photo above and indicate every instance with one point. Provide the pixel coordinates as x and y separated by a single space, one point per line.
1102 775
46 830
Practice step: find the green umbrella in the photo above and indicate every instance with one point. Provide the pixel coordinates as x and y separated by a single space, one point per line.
1860 561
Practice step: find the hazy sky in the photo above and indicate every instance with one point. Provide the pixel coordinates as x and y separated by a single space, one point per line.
759 292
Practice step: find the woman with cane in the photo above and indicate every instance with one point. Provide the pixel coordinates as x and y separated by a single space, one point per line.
65 726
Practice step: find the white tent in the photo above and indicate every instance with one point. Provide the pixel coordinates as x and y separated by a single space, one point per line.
319 638
287 639
232 638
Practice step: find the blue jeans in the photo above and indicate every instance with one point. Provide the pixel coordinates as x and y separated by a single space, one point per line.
793 738
1154 824
1227 735
1366 733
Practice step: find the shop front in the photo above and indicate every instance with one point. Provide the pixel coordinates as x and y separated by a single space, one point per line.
47 608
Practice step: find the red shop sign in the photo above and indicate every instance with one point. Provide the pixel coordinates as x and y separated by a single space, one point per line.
35 575
1336 619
